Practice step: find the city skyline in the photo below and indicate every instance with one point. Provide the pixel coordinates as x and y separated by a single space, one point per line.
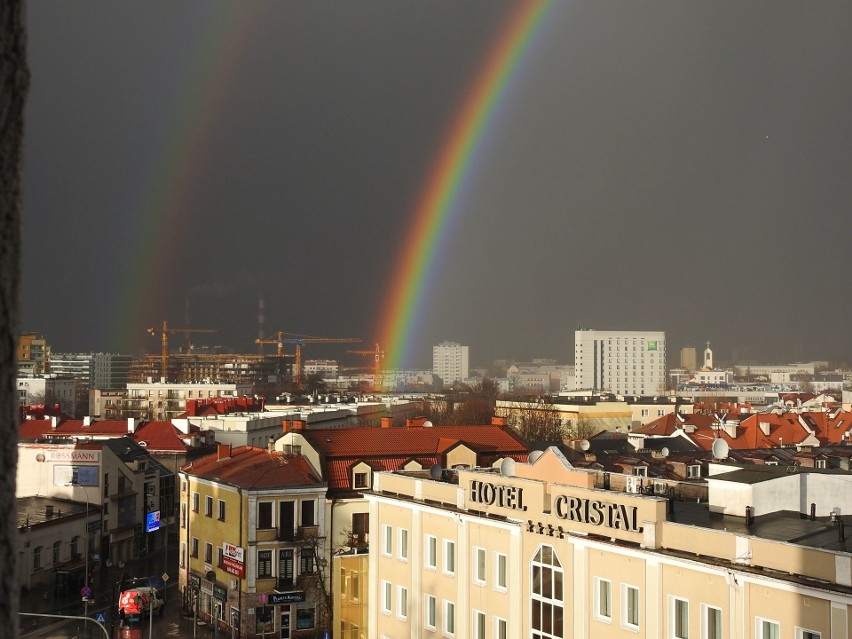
663 167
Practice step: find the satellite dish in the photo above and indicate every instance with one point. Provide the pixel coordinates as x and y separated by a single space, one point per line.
533 456
720 449
436 471
427 424
585 445
507 467
664 451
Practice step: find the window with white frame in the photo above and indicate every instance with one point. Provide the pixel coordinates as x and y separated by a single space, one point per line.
208 506
449 557
479 566
820 463
387 597
603 599
767 629
430 556
360 481
387 540
402 550
402 602
478 625
679 618
546 597
804 633
640 471
693 471
195 501
449 619
501 628
711 622
501 571
430 613
264 563
221 510
630 607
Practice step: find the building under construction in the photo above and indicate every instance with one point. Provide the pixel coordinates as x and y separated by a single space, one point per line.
261 371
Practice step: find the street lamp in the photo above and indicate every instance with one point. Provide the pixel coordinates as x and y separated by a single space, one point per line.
86 547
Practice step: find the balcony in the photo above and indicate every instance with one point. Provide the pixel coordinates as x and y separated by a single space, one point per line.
300 534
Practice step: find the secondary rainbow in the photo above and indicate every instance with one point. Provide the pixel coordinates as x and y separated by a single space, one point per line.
165 214
442 188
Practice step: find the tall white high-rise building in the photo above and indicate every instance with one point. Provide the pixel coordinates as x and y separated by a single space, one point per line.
623 362
450 362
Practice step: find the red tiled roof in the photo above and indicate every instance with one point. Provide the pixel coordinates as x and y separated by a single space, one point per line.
251 467
391 448
160 436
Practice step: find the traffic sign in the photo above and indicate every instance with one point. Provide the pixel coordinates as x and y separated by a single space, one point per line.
165 576
100 617
86 592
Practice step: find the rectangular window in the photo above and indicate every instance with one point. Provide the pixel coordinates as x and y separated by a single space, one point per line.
711 622
308 518
603 599
501 628
195 502
630 607
387 540
359 481
208 506
221 510
680 618
449 618
479 566
430 616
306 560
478 624
431 555
183 515
220 553
194 548
264 563
449 557
37 558
402 602
387 593
264 515
693 472
501 571
208 553
802 633
767 629
403 544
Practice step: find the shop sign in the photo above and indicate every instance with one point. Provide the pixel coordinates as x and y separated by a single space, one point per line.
278 598
220 592
233 567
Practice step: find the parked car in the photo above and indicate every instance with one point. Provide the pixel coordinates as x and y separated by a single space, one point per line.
139 601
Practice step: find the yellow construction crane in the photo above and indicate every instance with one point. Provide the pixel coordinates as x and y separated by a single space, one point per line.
299 340
164 336
379 355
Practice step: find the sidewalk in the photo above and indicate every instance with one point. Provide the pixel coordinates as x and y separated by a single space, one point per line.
105 588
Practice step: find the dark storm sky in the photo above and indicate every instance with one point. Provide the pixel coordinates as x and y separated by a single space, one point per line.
671 166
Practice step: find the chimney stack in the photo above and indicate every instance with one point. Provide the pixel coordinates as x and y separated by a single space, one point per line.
387 422
223 451
499 421
298 424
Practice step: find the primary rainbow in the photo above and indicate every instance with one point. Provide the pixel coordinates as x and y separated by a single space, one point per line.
442 188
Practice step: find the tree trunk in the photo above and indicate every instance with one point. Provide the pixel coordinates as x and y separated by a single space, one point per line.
14 81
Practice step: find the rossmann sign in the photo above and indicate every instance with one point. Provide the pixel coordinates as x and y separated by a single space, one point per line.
91 456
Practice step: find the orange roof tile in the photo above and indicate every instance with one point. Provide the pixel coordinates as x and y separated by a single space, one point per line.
251 467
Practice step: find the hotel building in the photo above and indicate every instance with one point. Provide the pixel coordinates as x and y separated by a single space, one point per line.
621 362
540 551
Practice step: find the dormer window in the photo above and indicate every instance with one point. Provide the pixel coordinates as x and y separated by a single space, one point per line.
640 471
819 463
360 480
693 471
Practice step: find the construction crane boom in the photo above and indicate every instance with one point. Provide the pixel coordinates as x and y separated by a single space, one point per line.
280 340
164 336
379 355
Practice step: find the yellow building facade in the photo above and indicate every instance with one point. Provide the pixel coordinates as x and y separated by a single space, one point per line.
536 551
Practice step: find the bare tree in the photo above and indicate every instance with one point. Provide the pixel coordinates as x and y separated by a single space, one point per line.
14 83
535 419
584 428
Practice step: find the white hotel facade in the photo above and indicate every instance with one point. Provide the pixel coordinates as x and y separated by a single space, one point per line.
621 362
536 551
